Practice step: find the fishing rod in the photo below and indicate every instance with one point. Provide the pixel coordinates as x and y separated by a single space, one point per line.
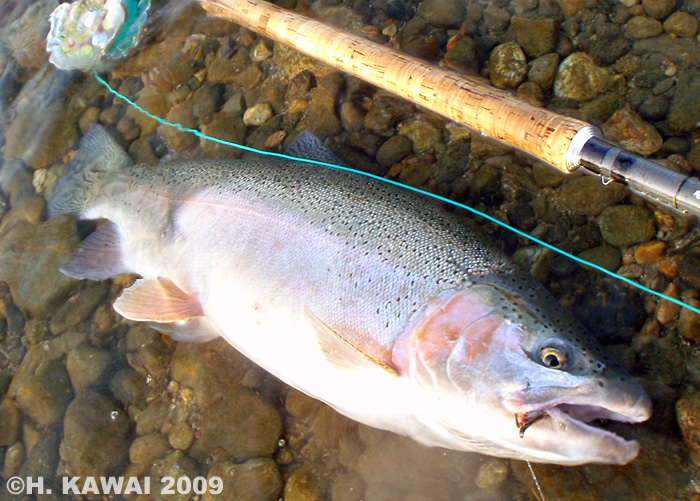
566 143
563 142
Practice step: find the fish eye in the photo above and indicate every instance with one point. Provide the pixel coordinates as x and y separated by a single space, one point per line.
552 358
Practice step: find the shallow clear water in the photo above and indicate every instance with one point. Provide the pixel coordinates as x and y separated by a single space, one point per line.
85 392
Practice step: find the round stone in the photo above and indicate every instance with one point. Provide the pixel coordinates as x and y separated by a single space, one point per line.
507 65
623 225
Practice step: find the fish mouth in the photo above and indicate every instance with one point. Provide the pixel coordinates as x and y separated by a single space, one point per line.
564 426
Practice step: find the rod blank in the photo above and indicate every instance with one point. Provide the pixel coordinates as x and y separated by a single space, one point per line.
651 180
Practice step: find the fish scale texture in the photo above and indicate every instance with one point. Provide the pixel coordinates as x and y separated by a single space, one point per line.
391 247
361 255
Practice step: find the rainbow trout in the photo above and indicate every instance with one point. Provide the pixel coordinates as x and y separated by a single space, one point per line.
360 294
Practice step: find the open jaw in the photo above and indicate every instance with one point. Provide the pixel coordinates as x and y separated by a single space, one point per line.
563 429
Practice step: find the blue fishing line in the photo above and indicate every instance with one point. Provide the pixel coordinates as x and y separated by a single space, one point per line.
410 188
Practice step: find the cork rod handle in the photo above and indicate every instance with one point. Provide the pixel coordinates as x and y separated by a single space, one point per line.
494 112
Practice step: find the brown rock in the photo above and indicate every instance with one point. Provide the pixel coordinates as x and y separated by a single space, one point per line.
643 27
228 127
242 424
9 422
507 65
257 479
95 432
689 322
572 7
212 369
258 114
43 129
669 267
151 99
423 134
681 24
89 117
537 36
650 252
627 127
688 417
658 9
180 436
586 196
303 485
667 312
27 210
580 78
147 448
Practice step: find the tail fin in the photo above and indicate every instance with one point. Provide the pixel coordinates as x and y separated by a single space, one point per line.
98 154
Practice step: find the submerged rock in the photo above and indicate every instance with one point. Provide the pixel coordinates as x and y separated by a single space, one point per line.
507 65
181 436
41 388
623 225
242 424
257 479
394 149
492 473
628 128
443 12
45 122
43 459
612 314
29 259
303 485
95 432
605 256
537 36
88 366
423 134
462 55
147 448
258 114
9 422
399 465
212 369
658 9
689 322
543 70
579 78
643 27
587 196
78 307
688 416
684 114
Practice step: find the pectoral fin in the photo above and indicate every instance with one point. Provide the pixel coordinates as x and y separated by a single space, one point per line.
98 257
157 300
341 354
195 330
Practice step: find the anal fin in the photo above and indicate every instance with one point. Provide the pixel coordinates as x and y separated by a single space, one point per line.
99 256
341 354
157 300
